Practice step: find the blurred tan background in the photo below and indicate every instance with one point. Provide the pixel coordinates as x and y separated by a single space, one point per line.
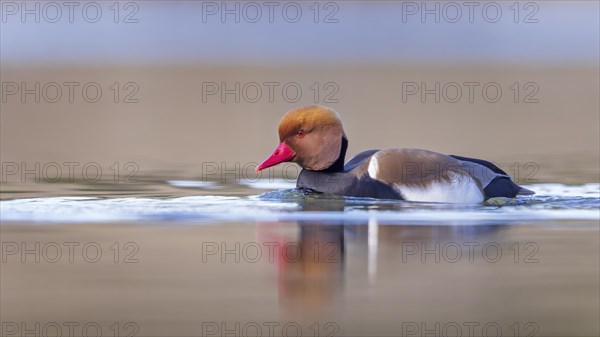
176 125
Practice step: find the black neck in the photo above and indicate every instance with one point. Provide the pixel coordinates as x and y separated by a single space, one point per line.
338 165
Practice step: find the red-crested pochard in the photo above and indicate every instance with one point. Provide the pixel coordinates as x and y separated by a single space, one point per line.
314 138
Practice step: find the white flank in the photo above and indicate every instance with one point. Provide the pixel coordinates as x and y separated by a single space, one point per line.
461 189
373 167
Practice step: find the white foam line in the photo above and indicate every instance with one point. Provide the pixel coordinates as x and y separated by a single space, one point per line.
356 216
209 185
553 189
227 208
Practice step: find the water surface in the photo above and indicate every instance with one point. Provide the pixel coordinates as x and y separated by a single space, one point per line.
195 258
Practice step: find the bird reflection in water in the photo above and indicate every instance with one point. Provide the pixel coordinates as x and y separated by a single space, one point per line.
312 268
312 279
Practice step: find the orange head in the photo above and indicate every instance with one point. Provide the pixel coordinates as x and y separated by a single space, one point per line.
310 136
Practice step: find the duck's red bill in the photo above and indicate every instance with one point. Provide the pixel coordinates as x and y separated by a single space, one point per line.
281 154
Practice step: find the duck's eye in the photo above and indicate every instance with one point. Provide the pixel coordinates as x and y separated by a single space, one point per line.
300 133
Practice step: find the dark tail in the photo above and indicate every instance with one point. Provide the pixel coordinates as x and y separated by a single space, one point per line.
504 187
500 186
524 191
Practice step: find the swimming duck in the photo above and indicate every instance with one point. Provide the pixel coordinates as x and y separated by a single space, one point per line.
314 138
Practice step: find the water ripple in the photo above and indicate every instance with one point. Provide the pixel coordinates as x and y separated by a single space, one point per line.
553 202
